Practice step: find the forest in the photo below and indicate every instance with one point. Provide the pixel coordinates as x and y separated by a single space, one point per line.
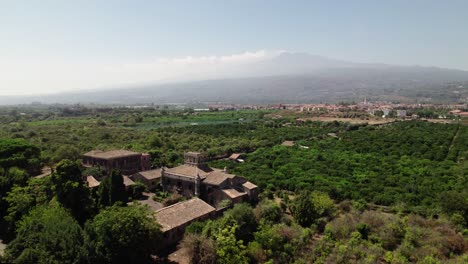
344 193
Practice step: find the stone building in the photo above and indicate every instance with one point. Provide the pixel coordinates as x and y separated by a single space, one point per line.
127 162
174 218
195 178
151 178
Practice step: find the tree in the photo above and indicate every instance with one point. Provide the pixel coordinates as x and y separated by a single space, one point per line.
21 154
304 210
70 190
268 211
49 234
20 200
199 248
229 249
453 202
323 204
308 207
66 152
137 189
245 219
122 235
112 190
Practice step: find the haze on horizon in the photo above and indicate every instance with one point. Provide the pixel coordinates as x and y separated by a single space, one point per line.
55 46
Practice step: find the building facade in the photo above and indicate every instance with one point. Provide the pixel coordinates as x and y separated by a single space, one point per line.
127 162
195 178
174 218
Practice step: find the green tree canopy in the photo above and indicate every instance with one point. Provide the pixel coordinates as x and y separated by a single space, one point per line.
20 200
245 219
49 234
112 190
68 186
122 235
21 154
308 207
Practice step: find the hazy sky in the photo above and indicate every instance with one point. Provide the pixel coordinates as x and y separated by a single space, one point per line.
49 46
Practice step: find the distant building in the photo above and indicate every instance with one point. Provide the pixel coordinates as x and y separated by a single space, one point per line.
93 183
195 178
236 157
151 178
175 218
288 143
386 111
401 113
127 162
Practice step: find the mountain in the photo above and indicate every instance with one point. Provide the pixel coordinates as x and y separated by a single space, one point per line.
287 78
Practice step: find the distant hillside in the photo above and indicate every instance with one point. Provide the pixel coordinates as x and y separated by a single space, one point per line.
289 78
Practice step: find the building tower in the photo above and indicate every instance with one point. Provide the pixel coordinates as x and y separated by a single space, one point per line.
194 159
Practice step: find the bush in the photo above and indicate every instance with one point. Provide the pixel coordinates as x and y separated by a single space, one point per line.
173 199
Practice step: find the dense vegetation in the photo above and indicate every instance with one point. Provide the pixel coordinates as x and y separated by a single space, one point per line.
334 233
344 193
56 219
414 165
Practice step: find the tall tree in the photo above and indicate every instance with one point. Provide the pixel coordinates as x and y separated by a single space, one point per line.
21 154
304 211
122 235
68 186
246 222
112 190
229 249
49 234
21 200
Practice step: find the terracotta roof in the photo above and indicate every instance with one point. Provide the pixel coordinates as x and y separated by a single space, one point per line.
233 193
111 154
150 175
181 213
190 170
249 185
127 181
235 156
92 182
288 143
217 177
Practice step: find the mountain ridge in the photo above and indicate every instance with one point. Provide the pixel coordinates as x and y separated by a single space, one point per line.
288 77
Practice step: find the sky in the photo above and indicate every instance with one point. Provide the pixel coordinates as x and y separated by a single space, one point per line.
49 46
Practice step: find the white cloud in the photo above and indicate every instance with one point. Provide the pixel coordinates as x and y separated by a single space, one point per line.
47 76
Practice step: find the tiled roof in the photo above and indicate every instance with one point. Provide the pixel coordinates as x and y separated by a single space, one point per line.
190 171
217 177
110 154
233 193
249 185
181 213
127 181
151 174
235 156
288 143
92 182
